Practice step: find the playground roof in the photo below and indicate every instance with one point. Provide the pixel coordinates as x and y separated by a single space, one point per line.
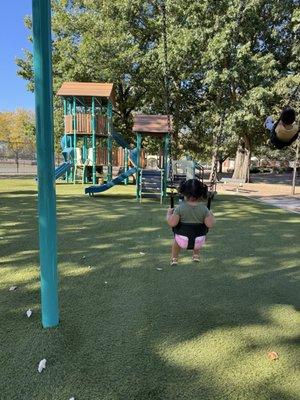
87 89
150 124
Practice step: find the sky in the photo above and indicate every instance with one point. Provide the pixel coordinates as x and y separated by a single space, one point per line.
13 38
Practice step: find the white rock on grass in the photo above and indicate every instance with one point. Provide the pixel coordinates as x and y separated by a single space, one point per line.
29 313
42 365
142 254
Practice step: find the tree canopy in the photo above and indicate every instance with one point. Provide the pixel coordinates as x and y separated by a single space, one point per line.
237 59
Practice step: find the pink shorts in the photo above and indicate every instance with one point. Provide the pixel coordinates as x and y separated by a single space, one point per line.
183 241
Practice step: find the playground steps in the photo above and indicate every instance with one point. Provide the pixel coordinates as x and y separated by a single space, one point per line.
151 183
178 178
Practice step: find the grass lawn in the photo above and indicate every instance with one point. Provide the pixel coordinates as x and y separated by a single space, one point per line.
131 332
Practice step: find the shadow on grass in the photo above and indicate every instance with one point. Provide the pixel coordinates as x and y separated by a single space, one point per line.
130 331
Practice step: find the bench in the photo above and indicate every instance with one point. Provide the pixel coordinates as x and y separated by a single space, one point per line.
239 183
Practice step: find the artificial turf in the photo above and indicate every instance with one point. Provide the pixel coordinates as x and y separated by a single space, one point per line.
130 331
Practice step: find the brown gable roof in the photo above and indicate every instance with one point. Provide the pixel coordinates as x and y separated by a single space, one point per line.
150 123
87 89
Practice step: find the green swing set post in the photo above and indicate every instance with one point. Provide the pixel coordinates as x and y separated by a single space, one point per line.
41 19
71 171
74 140
138 165
93 140
126 163
65 130
109 140
84 158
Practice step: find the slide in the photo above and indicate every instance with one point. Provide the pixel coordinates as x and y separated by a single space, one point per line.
62 169
123 143
110 184
120 178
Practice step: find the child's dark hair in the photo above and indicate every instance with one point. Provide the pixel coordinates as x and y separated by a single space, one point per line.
288 116
193 189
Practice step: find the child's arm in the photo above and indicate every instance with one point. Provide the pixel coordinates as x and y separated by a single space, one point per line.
210 220
172 219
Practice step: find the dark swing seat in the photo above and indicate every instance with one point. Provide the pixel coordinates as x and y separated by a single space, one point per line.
191 231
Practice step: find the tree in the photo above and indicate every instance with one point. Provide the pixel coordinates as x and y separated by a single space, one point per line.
17 130
231 61
100 42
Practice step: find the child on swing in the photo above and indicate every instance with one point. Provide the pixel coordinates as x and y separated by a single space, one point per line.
192 212
285 131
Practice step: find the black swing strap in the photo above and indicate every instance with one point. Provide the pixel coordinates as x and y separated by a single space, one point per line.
167 98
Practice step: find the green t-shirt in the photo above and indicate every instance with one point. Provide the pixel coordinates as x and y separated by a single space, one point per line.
191 214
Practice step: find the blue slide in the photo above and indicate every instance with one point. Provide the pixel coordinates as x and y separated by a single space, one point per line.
120 178
110 184
62 169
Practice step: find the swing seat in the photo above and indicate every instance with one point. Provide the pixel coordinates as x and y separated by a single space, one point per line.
191 231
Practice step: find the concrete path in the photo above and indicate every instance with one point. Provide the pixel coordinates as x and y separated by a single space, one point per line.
277 195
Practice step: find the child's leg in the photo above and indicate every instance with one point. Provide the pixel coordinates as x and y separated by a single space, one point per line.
196 255
175 252
271 126
275 141
199 242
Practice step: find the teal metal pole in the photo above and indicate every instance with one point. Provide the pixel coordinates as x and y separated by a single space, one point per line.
93 140
109 140
84 149
65 131
75 140
126 163
41 18
138 166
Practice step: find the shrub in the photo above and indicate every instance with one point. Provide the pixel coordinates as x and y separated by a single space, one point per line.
254 170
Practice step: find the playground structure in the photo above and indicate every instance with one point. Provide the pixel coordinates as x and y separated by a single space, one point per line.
87 144
149 182
91 146
186 168
152 182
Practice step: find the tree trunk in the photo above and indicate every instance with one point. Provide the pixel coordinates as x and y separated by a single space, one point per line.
220 166
242 160
17 160
295 168
214 160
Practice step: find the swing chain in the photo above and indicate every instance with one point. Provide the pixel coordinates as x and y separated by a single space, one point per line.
167 97
214 175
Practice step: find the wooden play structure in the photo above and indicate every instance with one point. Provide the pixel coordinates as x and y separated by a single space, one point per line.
88 131
152 183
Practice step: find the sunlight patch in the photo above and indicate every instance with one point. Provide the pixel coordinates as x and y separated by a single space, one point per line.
285 316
